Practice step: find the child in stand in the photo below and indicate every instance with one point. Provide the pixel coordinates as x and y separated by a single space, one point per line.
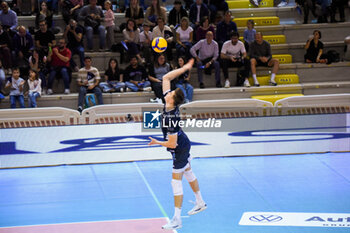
109 20
183 81
249 34
34 84
16 83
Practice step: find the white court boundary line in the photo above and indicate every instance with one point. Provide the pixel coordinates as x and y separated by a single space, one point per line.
64 223
152 193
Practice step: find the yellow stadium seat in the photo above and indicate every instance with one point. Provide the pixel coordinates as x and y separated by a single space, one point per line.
283 58
246 4
239 4
266 3
281 79
259 21
275 39
274 98
272 39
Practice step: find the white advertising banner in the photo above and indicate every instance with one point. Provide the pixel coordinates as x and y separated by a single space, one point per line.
295 219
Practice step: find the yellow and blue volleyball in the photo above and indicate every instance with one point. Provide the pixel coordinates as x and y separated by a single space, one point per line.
159 44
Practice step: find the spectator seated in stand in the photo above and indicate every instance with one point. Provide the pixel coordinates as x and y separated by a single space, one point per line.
15 84
44 39
224 29
74 36
183 80
153 12
45 15
5 50
215 6
113 78
59 58
233 54
204 27
208 53
146 38
156 73
132 39
184 39
23 44
176 14
71 9
314 49
52 5
135 12
8 18
162 30
92 15
197 11
37 62
136 77
260 55
88 80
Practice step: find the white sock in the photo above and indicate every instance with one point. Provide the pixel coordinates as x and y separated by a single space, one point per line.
199 198
255 79
177 213
273 77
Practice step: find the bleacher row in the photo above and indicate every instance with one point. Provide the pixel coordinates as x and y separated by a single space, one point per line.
279 26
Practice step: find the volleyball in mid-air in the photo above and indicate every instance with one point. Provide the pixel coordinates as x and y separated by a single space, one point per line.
159 44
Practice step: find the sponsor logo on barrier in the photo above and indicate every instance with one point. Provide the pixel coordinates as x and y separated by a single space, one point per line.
295 219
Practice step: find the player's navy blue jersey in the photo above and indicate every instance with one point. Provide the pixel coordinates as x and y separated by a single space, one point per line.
170 125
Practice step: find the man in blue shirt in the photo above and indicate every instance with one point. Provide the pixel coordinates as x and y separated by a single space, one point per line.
224 29
8 18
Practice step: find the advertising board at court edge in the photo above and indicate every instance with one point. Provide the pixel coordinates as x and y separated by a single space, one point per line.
296 219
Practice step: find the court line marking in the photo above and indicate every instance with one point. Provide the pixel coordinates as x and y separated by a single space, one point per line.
117 220
152 193
151 190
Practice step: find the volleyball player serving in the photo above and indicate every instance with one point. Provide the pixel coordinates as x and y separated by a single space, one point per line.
177 142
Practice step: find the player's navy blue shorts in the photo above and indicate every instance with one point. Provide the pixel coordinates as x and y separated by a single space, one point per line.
181 156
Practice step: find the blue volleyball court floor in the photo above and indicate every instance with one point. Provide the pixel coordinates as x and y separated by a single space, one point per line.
137 196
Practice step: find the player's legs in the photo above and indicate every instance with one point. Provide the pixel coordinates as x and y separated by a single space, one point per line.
176 184
193 181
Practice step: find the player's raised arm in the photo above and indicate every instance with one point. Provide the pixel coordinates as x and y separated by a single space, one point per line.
175 73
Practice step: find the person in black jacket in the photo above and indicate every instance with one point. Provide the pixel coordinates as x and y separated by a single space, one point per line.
195 18
176 14
215 6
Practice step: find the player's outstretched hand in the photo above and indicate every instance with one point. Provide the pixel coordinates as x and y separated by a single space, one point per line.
189 64
152 142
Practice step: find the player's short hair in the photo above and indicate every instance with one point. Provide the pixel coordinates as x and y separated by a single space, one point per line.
178 97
